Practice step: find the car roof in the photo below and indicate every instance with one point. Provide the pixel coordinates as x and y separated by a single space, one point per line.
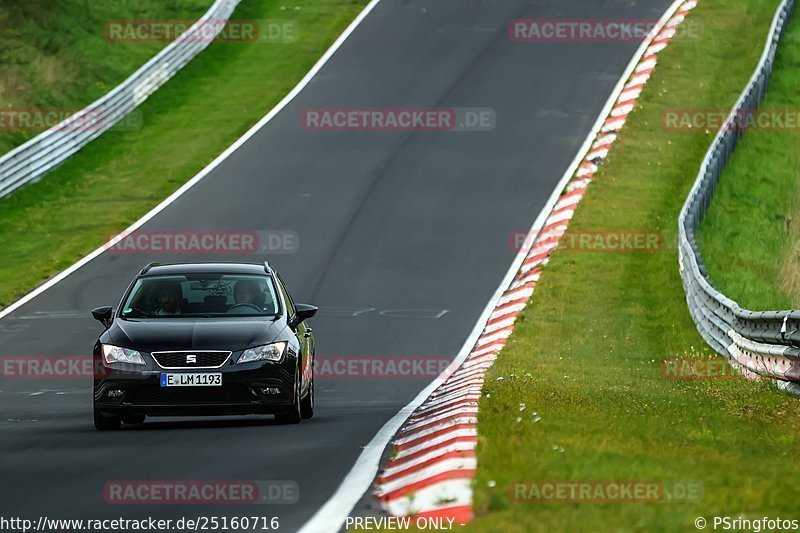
198 268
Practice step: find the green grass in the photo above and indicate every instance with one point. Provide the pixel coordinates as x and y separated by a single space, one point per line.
55 54
599 324
750 239
47 226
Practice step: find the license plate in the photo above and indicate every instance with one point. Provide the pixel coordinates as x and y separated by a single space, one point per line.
204 379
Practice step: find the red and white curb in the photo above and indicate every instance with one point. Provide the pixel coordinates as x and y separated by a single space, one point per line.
433 461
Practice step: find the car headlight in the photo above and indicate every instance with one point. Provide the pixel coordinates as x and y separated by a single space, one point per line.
115 354
269 352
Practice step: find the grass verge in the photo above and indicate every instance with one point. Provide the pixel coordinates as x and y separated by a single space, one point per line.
55 55
585 354
46 226
750 238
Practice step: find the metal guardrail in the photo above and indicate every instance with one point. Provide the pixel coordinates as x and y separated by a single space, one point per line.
761 344
31 160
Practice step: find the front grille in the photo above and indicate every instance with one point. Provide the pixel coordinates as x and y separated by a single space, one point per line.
155 395
184 359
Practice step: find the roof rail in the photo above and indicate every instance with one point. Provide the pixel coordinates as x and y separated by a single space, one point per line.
267 267
148 267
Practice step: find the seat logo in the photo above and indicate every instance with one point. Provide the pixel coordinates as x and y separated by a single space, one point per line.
191 359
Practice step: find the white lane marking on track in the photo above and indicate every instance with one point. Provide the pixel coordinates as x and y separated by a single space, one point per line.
333 513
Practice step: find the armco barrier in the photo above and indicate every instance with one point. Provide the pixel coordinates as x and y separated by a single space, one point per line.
762 344
30 161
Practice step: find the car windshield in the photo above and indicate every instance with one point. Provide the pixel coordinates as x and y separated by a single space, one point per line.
202 296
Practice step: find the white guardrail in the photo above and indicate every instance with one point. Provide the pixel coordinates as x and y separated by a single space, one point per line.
761 344
31 160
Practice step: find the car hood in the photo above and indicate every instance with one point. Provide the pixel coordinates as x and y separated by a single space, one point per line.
200 334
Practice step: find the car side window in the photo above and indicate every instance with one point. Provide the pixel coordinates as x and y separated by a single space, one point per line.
289 303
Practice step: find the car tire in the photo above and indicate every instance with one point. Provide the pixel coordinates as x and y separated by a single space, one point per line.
307 405
105 423
292 416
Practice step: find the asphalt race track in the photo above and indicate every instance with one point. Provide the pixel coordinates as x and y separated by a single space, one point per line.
404 236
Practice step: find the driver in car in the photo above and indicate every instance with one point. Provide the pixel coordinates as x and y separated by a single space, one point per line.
246 294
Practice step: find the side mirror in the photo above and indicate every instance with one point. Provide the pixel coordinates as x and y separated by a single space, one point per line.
302 312
103 315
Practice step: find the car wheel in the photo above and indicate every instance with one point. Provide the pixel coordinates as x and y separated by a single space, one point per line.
292 416
307 405
105 423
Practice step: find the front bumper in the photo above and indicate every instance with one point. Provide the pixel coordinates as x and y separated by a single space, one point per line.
129 390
